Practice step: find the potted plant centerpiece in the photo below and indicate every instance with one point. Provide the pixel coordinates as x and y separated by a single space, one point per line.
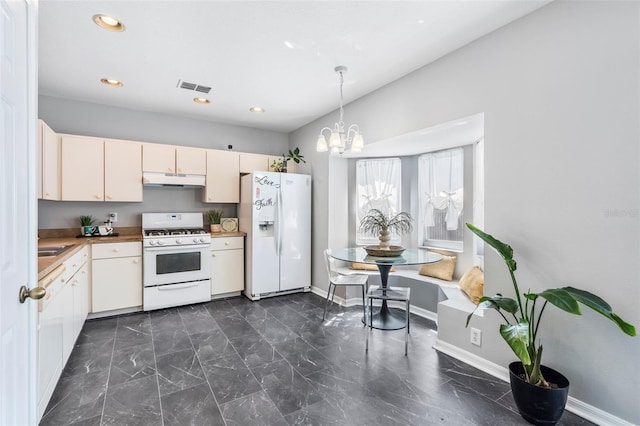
86 225
214 218
540 392
279 165
377 223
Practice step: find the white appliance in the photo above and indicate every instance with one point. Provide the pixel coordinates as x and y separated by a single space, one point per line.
275 212
176 260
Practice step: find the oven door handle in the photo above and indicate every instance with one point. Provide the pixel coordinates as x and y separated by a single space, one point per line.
176 286
175 248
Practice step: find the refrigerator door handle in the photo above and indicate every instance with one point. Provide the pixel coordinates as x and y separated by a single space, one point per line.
276 224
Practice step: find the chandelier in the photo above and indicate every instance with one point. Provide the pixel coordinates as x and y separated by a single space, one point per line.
339 136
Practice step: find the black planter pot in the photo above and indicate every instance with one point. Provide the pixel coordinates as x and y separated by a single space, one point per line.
537 405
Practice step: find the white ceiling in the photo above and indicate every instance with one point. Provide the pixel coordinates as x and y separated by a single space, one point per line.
239 49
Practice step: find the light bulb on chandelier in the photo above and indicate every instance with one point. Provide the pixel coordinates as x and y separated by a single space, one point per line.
339 138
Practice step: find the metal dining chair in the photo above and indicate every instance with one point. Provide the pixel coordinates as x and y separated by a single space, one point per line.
401 294
336 279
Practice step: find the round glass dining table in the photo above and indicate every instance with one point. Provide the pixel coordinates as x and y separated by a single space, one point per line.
386 318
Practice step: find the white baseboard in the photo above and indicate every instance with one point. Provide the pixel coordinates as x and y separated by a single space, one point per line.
582 409
356 301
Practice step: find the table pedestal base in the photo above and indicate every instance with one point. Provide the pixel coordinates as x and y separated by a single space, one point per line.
388 319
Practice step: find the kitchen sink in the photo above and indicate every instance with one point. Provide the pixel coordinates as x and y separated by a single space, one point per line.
53 250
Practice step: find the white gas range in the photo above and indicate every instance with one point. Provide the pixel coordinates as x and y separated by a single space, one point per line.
176 260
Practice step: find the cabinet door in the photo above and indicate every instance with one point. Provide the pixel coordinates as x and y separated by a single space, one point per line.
253 162
191 161
80 285
82 168
49 351
223 177
158 158
116 283
50 163
227 271
68 336
122 171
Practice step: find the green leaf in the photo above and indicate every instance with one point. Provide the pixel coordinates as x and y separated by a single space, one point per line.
503 249
599 305
517 337
531 296
506 304
561 299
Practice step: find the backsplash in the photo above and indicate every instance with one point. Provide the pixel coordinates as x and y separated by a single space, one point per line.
66 214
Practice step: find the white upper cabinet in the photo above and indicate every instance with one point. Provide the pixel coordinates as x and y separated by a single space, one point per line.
191 161
93 169
253 162
49 163
82 168
122 170
158 158
223 177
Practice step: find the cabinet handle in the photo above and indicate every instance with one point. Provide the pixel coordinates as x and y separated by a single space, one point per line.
108 197
47 194
170 169
213 255
210 198
226 244
116 250
135 260
74 283
75 265
180 170
48 296
98 197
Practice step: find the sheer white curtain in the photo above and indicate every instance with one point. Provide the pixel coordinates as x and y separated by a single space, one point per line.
378 184
441 182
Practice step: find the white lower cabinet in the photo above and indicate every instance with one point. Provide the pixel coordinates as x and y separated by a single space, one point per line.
61 315
116 282
227 265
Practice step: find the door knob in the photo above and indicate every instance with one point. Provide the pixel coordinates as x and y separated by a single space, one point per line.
35 293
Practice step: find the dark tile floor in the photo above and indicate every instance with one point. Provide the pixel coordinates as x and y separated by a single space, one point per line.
272 362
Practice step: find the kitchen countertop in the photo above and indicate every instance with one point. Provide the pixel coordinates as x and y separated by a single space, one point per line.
46 264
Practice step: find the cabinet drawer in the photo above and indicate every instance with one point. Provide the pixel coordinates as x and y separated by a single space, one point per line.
227 243
53 283
75 262
114 250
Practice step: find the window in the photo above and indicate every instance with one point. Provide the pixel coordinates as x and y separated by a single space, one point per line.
378 184
441 198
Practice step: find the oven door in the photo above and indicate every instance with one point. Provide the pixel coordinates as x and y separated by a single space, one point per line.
176 264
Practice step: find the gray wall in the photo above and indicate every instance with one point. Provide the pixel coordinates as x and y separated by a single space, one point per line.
559 89
88 119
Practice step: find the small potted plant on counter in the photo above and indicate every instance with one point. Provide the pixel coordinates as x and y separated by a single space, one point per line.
86 227
540 393
214 218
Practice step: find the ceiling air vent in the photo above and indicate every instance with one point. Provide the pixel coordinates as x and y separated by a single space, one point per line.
193 86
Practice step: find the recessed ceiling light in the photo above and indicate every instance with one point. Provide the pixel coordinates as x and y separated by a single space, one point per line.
111 82
256 109
289 44
108 23
201 100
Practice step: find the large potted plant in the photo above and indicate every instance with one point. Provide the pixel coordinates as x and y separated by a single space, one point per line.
540 393
382 225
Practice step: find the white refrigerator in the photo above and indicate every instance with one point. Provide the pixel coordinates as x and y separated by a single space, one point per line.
275 212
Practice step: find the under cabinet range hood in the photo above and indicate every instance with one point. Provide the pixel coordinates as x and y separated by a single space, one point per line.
171 179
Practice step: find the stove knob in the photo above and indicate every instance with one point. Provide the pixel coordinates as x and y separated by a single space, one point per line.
160 243
178 241
195 240
202 239
152 242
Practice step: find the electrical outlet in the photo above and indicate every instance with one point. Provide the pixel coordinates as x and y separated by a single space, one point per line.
476 336
113 217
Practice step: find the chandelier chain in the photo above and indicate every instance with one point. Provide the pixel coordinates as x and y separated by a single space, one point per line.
341 122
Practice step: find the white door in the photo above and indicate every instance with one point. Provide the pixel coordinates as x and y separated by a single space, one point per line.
295 231
18 132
